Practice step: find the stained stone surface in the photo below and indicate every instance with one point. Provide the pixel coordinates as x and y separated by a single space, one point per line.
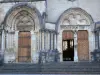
49 56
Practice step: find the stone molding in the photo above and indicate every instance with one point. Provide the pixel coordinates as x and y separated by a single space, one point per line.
11 17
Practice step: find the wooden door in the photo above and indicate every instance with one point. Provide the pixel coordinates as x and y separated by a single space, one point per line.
24 47
83 46
67 35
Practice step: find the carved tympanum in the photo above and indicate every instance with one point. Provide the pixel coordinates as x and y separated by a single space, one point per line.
75 19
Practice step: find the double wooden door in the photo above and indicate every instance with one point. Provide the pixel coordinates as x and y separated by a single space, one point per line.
83 44
24 47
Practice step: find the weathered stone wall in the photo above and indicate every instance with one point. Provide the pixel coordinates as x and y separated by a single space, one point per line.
72 20
5 7
10 43
50 26
57 7
54 10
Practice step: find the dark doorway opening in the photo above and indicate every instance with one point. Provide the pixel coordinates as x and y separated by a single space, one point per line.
68 45
68 50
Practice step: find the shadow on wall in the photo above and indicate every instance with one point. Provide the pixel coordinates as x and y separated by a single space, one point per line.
1 58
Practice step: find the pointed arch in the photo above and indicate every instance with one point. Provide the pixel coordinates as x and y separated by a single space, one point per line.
23 9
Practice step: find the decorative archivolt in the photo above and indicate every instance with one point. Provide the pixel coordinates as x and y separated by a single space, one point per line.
23 18
75 16
1 15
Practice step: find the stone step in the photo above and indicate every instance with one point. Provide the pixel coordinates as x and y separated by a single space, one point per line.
62 67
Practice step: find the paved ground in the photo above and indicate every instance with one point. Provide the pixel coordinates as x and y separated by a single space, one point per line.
49 74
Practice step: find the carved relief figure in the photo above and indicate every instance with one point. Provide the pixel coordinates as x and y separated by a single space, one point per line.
75 19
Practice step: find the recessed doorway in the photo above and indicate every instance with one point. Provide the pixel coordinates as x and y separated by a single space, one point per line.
68 46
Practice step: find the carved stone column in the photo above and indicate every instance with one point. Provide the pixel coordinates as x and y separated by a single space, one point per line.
2 47
50 40
45 40
16 42
55 42
75 47
41 39
3 41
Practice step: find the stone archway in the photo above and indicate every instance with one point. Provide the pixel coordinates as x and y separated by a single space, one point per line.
75 19
23 24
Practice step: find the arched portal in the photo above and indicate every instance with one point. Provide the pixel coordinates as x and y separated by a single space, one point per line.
76 20
22 24
23 15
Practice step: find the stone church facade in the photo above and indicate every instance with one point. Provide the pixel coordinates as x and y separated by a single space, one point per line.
49 31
